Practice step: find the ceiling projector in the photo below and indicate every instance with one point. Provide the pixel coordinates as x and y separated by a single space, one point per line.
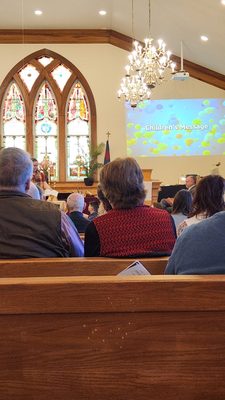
180 76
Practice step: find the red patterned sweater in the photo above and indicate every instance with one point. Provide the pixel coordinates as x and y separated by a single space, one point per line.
139 231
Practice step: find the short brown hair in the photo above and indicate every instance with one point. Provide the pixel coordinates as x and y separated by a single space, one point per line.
208 197
94 205
122 183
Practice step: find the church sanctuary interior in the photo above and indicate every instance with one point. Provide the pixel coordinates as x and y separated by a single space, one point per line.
75 75
94 49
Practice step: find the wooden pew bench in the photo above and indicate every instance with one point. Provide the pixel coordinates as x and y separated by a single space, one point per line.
125 338
75 266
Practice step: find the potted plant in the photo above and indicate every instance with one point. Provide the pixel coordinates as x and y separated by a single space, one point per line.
91 164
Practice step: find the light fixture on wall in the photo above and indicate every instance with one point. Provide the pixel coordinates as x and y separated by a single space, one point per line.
147 68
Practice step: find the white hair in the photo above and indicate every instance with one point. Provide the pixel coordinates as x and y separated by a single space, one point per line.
75 202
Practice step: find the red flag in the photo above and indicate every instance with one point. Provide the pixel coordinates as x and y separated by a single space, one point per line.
107 153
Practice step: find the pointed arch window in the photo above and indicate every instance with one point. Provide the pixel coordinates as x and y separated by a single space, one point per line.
78 131
48 109
13 118
45 60
46 127
29 75
61 74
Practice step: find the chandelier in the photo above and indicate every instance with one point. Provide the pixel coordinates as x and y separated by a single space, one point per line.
148 65
133 88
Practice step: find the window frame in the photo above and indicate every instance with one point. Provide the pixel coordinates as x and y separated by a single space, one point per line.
61 99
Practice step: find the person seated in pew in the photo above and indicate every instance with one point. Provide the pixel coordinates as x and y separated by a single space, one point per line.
130 229
30 228
93 210
75 205
190 182
208 200
181 206
34 192
88 198
200 250
38 176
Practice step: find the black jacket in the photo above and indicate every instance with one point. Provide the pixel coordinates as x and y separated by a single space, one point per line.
79 221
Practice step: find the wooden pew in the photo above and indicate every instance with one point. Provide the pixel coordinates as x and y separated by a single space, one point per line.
100 338
75 266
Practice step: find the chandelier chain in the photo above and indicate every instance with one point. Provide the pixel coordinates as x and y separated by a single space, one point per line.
132 22
149 17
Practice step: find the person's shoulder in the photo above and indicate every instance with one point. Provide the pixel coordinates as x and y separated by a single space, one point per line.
218 216
193 230
45 205
33 191
217 219
104 217
181 227
207 225
158 212
83 218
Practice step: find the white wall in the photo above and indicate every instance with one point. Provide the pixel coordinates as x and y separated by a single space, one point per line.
103 67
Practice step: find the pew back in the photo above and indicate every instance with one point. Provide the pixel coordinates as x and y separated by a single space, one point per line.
75 266
112 338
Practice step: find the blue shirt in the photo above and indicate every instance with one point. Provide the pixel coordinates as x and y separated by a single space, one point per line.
200 249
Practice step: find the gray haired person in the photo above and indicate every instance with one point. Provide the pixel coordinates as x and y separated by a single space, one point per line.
30 228
75 205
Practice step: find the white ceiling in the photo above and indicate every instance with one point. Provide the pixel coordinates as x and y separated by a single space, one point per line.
171 20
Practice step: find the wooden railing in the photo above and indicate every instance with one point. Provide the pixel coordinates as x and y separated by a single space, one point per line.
122 338
75 266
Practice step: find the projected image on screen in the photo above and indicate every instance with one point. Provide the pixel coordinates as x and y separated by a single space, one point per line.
181 127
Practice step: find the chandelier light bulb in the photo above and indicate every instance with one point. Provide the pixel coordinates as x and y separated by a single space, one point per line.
204 38
130 57
160 41
127 68
173 66
38 12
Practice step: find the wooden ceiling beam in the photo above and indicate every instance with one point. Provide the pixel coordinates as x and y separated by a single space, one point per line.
99 36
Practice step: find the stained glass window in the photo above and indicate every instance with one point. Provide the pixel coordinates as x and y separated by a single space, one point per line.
46 128
13 117
39 118
29 75
61 74
78 132
45 60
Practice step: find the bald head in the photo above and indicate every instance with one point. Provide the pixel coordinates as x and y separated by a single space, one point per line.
75 202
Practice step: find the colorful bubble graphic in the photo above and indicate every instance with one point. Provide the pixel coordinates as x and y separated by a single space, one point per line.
180 127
